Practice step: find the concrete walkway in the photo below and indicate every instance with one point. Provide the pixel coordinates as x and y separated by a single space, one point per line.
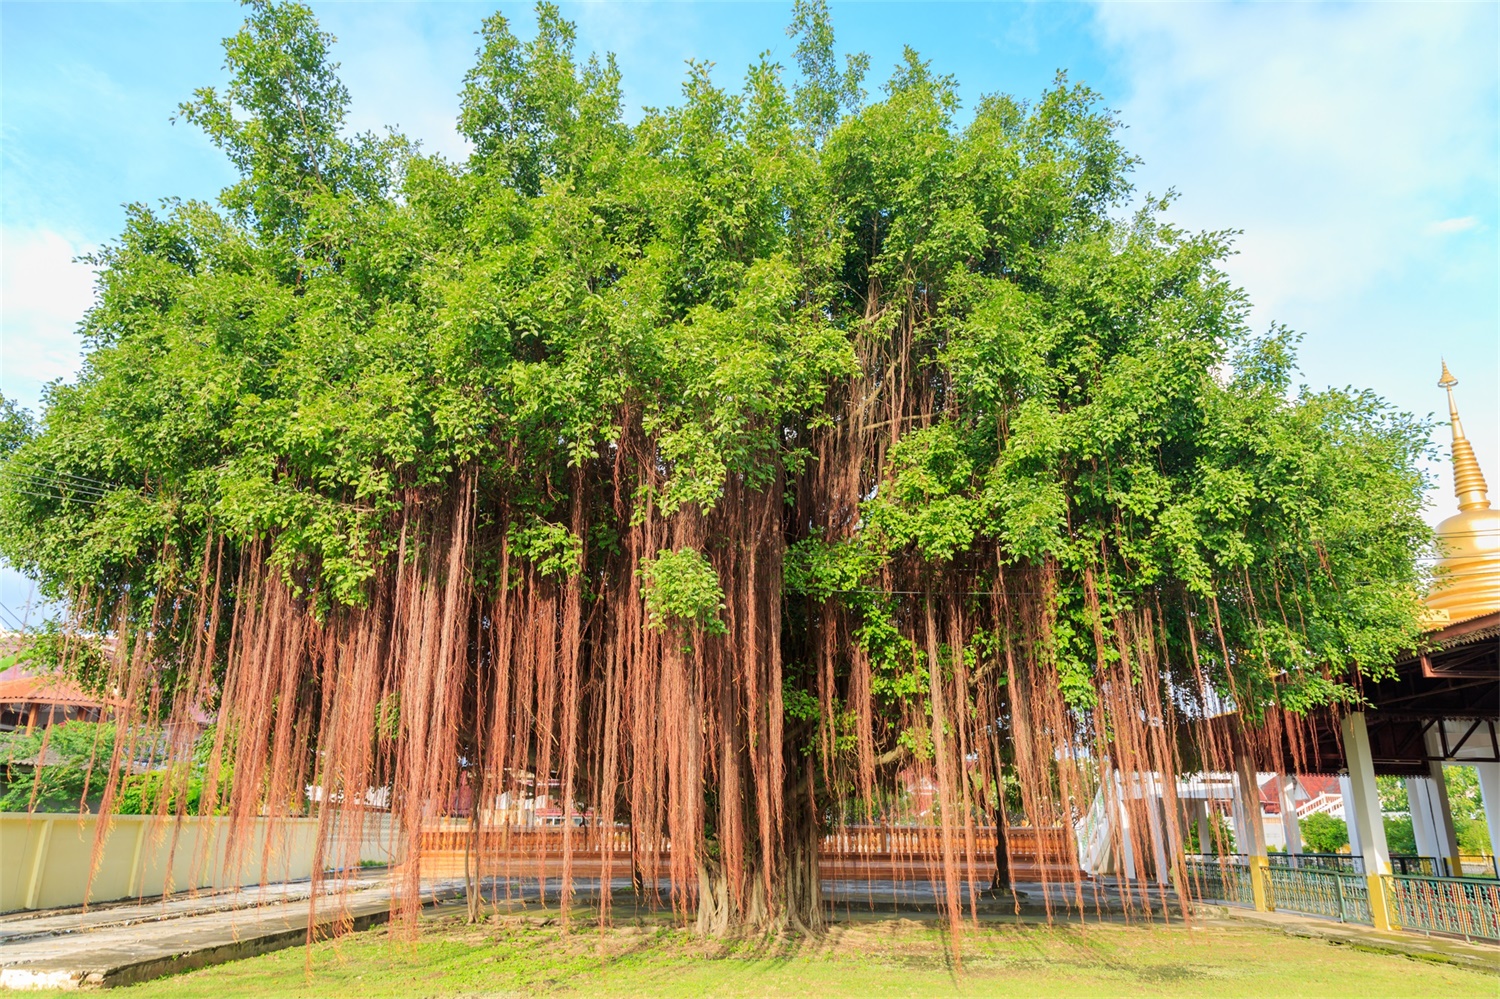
125 942
1453 950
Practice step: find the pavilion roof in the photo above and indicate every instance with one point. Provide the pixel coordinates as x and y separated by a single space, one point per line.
17 686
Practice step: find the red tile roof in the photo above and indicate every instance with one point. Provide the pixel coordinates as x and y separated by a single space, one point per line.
17 686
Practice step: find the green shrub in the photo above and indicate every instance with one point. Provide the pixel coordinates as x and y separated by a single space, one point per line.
1473 836
77 749
1399 837
1323 833
73 778
1219 831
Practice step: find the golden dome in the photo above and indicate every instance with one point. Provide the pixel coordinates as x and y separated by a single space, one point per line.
1467 582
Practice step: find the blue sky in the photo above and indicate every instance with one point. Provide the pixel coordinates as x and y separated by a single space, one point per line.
1356 146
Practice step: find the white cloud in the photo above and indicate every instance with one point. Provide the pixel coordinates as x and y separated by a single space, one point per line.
1341 139
43 296
404 66
1450 226
1331 134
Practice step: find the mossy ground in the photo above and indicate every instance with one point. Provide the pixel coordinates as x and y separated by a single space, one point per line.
530 955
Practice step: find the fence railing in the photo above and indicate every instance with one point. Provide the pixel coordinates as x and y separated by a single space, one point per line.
1411 864
1401 863
1336 894
1344 862
1468 907
1027 844
1220 879
529 842
1328 885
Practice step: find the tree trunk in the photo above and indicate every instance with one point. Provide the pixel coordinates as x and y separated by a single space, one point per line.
471 850
798 890
1002 880
715 915
803 902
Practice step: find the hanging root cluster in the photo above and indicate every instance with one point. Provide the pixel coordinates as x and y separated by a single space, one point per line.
768 498
550 709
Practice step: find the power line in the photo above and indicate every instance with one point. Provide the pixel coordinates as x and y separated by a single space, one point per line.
44 473
58 497
58 480
58 486
58 483
82 480
15 618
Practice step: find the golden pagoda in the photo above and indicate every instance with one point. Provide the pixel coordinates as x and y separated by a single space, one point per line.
1467 582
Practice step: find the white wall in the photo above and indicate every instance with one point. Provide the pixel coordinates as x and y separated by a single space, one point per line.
45 860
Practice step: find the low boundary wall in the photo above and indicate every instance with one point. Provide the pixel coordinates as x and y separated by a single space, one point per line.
45 860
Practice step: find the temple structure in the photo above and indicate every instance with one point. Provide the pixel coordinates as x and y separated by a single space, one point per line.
1467 583
1441 705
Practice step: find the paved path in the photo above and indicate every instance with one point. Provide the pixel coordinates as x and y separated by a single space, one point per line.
120 943
1481 956
19 926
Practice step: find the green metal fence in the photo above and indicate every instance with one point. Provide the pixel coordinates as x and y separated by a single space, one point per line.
1336 894
1468 907
1404 863
1401 863
1220 879
1319 861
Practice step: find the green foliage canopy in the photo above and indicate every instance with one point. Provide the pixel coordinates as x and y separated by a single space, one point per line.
1324 833
1068 386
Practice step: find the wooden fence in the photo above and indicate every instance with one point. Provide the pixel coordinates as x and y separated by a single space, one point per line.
845 848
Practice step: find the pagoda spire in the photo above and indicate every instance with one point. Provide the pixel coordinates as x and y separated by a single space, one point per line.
1468 479
1467 577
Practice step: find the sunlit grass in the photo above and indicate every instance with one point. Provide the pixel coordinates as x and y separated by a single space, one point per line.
519 955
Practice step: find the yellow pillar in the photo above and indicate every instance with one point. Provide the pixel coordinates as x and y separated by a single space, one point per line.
1248 790
1381 902
1258 868
43 827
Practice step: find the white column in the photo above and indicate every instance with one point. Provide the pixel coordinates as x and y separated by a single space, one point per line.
1247 796
1126 830
1289 825
1420 804
1346 792
1155 826
1366 797
1247 799
1205 831
1367 818
1242 834
1174 832
1489 789
1442 809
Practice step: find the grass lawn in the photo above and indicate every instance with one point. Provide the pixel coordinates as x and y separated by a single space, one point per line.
516 955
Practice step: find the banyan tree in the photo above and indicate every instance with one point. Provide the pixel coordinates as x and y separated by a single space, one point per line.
729 471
